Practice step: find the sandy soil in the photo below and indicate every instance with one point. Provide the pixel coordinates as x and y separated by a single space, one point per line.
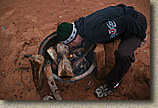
23 26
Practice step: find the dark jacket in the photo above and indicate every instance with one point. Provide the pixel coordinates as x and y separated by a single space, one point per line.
109 23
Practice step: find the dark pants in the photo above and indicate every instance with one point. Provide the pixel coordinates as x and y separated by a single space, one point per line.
124 56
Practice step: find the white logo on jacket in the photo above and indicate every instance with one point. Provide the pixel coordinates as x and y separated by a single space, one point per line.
112 28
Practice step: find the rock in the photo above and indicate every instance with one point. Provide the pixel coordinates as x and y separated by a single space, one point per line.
87 88
100 59
15 95
3 28
6 85
53 54
3 74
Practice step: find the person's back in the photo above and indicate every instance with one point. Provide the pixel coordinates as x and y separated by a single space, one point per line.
116 20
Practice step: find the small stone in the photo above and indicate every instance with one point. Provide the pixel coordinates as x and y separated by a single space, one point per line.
30 81
3 28
29 89
5 36
6 85
60 16
19 83
22 58
3 74
124 90
11 56
87 88
144 51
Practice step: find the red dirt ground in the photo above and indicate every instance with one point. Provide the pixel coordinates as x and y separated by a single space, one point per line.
23 26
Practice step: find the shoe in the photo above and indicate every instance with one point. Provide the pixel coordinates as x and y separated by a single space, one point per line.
104 90
48 97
